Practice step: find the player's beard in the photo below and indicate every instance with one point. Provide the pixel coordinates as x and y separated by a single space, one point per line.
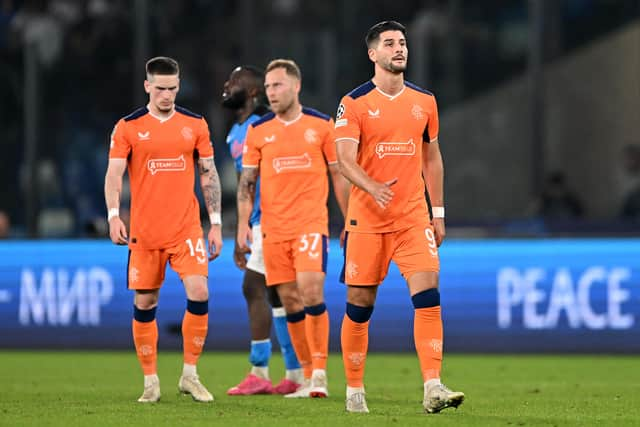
235 100
392 68
281 107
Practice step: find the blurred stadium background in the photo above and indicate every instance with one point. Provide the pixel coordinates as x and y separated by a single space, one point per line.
539 104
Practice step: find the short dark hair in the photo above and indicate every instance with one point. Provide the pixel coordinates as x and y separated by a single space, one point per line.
373 35
289 66
254 73
163 66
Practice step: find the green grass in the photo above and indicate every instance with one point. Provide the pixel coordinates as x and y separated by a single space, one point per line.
101 388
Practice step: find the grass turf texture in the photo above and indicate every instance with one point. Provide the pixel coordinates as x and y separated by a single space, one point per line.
101 388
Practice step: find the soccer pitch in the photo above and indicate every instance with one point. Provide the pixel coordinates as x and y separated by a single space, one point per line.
100 388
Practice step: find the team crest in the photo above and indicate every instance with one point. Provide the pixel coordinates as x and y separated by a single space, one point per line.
417 112
352 270
187 133
133 275
310 135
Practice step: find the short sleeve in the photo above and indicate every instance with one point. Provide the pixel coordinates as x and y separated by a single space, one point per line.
119 147
329 144
433 124
203 144
250 152
347 124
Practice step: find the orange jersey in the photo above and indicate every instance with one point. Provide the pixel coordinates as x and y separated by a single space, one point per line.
292 157
390 131
161 154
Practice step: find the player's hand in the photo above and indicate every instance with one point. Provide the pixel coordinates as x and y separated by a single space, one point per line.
239 256
439 230
343 235
244 236
118 231
215 241
382 192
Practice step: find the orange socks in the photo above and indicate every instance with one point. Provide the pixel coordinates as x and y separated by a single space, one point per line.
427 333
194 333
145 339
195 325
297 332
317 331
354 338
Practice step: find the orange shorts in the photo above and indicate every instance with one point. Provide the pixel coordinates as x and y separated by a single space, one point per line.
305 253
146 267
367 255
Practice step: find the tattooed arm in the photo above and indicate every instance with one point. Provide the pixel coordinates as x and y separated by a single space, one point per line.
246 195
211 191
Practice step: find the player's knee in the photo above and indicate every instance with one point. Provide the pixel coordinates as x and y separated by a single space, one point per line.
426 299
199 293
253 290
358 313
290 299
146 300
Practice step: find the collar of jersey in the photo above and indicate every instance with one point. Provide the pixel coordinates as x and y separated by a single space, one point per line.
161 119
391 97
291 121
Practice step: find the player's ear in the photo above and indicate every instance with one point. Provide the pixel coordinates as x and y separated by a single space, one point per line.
372 54
147 86
178 85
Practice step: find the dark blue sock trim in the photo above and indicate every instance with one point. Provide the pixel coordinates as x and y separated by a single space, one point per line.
198 307
315 310
425 299
359 314
145 316
295 317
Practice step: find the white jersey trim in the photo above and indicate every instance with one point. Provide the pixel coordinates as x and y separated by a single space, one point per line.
292 121
161 119
347 139
391 97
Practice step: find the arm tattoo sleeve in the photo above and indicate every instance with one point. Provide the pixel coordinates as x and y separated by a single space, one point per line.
247 184
210 185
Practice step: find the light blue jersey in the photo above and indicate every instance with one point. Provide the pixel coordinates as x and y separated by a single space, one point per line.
235 141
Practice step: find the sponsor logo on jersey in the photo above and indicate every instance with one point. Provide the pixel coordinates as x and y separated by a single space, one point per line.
341 122
144 136
271 138
292 162
374 114
166 165
395 149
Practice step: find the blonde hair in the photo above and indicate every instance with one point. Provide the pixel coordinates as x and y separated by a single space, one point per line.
289 66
